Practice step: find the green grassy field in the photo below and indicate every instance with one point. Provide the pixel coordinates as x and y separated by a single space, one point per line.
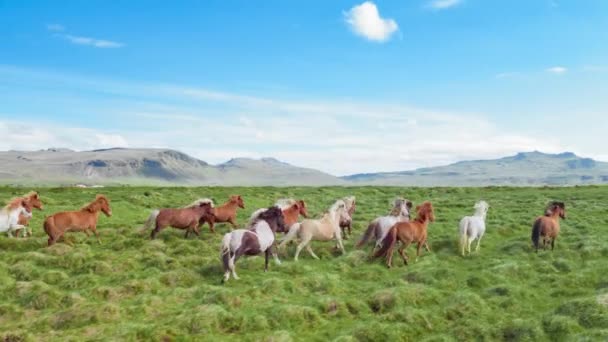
132 288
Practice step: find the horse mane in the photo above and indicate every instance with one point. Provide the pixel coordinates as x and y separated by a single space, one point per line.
397 203
263 214
14 203
552 205
334 207
199 202
349 201
256 214
93 206
423 211
285 203
31 194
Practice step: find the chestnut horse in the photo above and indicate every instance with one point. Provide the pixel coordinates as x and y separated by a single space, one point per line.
408 233
291 208
379 227
225 212
547 226
346 221
151 221
256 240
183 218
83 220
9 215
34 199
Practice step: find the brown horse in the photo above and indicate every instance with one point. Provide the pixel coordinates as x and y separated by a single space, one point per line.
34 200
81 220
346 221
184 218
292 209
547 226
225 212
408 233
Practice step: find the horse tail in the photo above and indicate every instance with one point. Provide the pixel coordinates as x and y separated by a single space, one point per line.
292 234
536 233
367 235
388 242
151 222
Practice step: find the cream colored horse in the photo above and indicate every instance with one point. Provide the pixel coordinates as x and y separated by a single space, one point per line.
323 229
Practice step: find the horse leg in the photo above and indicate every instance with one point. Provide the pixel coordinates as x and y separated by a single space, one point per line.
350 228
266 256
94 229
309 249
233 260
426 246
343 229
275 255
552 244
469 243
420 243
232 221
302 244
211 224
341 245
401 251
478 243
155 231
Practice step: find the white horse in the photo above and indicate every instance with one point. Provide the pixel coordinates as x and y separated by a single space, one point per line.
9 216
473 227
379 227
323 229
151 221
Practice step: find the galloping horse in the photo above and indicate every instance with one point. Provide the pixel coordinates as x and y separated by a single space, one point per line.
9 215
256 240
151 221
379 227
473 227
225 212
324 229
407 233
81 220
292 209
346 221
548 226
184 218
34 199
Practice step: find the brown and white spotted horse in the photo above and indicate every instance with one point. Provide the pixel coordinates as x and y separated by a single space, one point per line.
256 240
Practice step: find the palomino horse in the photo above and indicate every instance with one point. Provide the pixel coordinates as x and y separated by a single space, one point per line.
225 212
256 240
9 215
324 229
151 221
34 199
183 218
379 227
407 233
81 220
548 226
346 221
473 227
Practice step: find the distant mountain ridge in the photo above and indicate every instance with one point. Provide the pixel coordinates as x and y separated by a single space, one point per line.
143 166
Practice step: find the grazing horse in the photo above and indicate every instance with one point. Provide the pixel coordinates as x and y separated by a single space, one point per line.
379 227
256 240
225 212
151 221
34 199
324 229
9 215
473 227
407 233
346 221
183 218
81 220
547 226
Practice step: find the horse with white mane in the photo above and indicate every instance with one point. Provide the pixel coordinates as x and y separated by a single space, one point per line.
473 227
9 215
323 229
379 227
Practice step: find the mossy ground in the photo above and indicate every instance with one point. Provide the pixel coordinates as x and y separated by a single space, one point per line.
132 288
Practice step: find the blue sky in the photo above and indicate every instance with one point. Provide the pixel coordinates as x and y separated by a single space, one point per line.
342 86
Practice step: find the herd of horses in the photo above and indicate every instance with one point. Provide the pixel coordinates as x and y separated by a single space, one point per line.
259 235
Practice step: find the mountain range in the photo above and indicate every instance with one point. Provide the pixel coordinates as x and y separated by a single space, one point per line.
119 166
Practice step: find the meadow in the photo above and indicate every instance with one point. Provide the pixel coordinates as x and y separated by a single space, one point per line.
132 288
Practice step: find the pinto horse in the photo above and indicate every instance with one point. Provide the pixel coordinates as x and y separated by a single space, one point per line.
34 199
407 233
225 212
183 218
9 215
473 227
379 227
346 221
256 240
547 226
83 220
324 229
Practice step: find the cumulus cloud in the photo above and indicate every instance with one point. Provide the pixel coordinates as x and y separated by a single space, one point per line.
365 21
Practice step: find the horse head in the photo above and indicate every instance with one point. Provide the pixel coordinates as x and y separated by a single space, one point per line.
426 212
34 199
556 207
207 209
238 200
26 208
302 208
274 217
482 207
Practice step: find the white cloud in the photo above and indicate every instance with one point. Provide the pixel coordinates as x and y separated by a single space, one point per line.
55 27
98 43
365 21
444 4
558 70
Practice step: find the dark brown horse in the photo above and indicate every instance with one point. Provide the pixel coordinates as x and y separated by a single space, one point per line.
408 233
184 218
82 220
256 240
225 212
547 226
